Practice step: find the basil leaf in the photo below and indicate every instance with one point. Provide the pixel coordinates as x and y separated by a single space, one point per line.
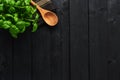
27 2
1 23
12 2
9 15
22 25
1 7
14 31
35 26
36 17
17 15
11 9
18 3
5 26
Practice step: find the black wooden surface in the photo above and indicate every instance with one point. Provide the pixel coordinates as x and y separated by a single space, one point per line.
6 56
104 39
79 39
84 45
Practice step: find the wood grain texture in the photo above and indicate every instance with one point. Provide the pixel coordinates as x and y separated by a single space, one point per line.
113 55
22 57
41 54
64 27
99 39
104 39
5 56
84 45
79 39
49 50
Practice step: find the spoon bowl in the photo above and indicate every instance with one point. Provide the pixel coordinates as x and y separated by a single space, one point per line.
48 16
51 19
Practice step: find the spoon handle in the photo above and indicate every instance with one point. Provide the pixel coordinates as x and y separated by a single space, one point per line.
33 3
42 11
48 16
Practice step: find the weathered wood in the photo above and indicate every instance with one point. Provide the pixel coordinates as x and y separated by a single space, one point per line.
83 46
50 51
5 56
113 29
22 57
41 54
99 39
79 40
64 27
60 41
104 40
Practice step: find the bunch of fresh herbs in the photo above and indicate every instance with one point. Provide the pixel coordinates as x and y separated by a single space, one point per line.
17 15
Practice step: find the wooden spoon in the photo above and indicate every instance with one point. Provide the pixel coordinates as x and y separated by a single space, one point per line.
48 16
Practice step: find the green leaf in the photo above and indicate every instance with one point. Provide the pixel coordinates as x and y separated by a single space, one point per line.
33 10
6 24
18 3
1 23
14 31
6 1
23 28
1 7
27 24
22 23
17 15
12 2
36 17
1 16
11 9
27 2
9 15
28 8
35 26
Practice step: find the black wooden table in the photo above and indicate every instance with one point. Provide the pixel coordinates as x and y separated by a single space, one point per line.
85 45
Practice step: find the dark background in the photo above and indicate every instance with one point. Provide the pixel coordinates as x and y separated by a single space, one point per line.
85 45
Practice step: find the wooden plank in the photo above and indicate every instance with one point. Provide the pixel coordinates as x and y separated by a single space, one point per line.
5 56
113 57
22 57
60 42
50 48
79 39
41 54
99 39
104 40
48 57
64 26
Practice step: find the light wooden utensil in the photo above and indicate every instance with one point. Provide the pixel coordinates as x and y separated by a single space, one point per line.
48 16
